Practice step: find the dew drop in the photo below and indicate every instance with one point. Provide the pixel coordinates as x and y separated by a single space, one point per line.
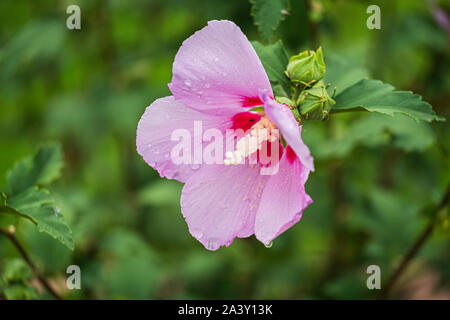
197 233
269 245
187 82
212 244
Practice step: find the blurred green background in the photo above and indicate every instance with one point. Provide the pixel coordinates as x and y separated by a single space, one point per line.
87 89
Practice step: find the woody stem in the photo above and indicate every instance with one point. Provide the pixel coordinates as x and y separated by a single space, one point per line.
12 237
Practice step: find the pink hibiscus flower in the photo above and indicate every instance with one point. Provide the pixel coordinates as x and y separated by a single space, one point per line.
217 79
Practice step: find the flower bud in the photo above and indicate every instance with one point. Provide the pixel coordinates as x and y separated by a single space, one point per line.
315 103
306 68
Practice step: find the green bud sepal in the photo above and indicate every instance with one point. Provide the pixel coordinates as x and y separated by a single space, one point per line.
315 103
306 68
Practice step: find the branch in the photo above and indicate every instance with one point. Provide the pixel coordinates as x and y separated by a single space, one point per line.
426 233
12 237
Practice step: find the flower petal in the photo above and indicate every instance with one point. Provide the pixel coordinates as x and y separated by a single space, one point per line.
155 129
283 200
217 70
283 118
219 203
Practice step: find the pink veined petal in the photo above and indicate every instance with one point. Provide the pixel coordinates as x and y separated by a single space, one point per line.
219 203
155 129
283 118
217 71
283 200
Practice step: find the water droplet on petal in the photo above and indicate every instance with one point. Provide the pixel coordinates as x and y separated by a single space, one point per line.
197 233
212 244
269 245
187 82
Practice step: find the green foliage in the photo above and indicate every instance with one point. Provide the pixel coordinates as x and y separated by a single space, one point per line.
28 48
132 269
87 89
41 170
373 130
28 200
267 15
274 59
342 73
355 92
38 206
376 96
14 280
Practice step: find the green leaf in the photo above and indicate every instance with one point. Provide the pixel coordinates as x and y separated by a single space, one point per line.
29 48
42 169
267 15
373 130
37 205
274 59
342 73
376 96
5 208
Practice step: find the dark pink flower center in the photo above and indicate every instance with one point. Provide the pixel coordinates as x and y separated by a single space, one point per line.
245 120
248 121
252 102
290 154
